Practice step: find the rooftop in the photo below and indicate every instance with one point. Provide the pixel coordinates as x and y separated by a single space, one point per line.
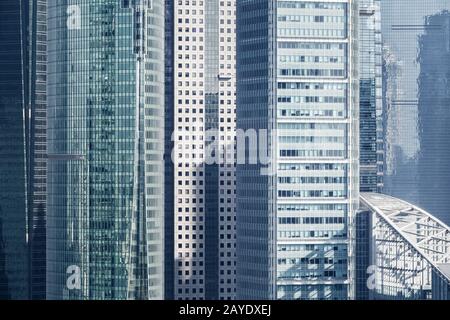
427 234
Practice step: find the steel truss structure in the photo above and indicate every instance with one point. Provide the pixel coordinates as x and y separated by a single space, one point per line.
409 250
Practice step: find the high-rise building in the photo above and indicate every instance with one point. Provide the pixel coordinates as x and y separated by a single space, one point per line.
169 120
371 129
201 72
22 149
297 82
371 102
415 75
434 115
105 150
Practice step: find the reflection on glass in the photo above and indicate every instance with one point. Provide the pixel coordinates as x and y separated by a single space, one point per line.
416 67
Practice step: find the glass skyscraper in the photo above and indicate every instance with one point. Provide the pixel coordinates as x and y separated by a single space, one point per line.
371 130
105 150
416 98
22 149
169 178
434 115
371 103
298 82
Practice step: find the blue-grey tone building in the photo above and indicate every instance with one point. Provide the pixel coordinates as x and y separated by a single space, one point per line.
105 150
363 253
22 149
169 187
371 128
434 115
371 103
408 249
415 75
297 78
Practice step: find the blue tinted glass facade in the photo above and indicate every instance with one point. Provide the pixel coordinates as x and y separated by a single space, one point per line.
37 176
106 121
415 35
169 222
434 115
212 171
363 232
14 266
371 124
441 285
22 149
256 193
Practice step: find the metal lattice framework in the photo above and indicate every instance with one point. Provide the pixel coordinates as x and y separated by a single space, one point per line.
429 236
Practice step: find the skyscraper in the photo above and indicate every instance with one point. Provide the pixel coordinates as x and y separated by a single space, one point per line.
415 34
22 149
434 115
371 130
201 69
371 103
169 196
297 78
105 150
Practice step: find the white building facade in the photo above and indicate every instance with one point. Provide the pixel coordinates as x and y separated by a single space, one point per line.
204 120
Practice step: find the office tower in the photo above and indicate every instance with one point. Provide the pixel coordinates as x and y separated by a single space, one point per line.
371 103
203 172
105 150
415 34
363 250
434 115
297 78
38 146
169 196
22 149
371 129
408 251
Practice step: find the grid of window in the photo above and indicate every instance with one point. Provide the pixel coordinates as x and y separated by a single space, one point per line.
204 99
105 203
14 270
323 180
